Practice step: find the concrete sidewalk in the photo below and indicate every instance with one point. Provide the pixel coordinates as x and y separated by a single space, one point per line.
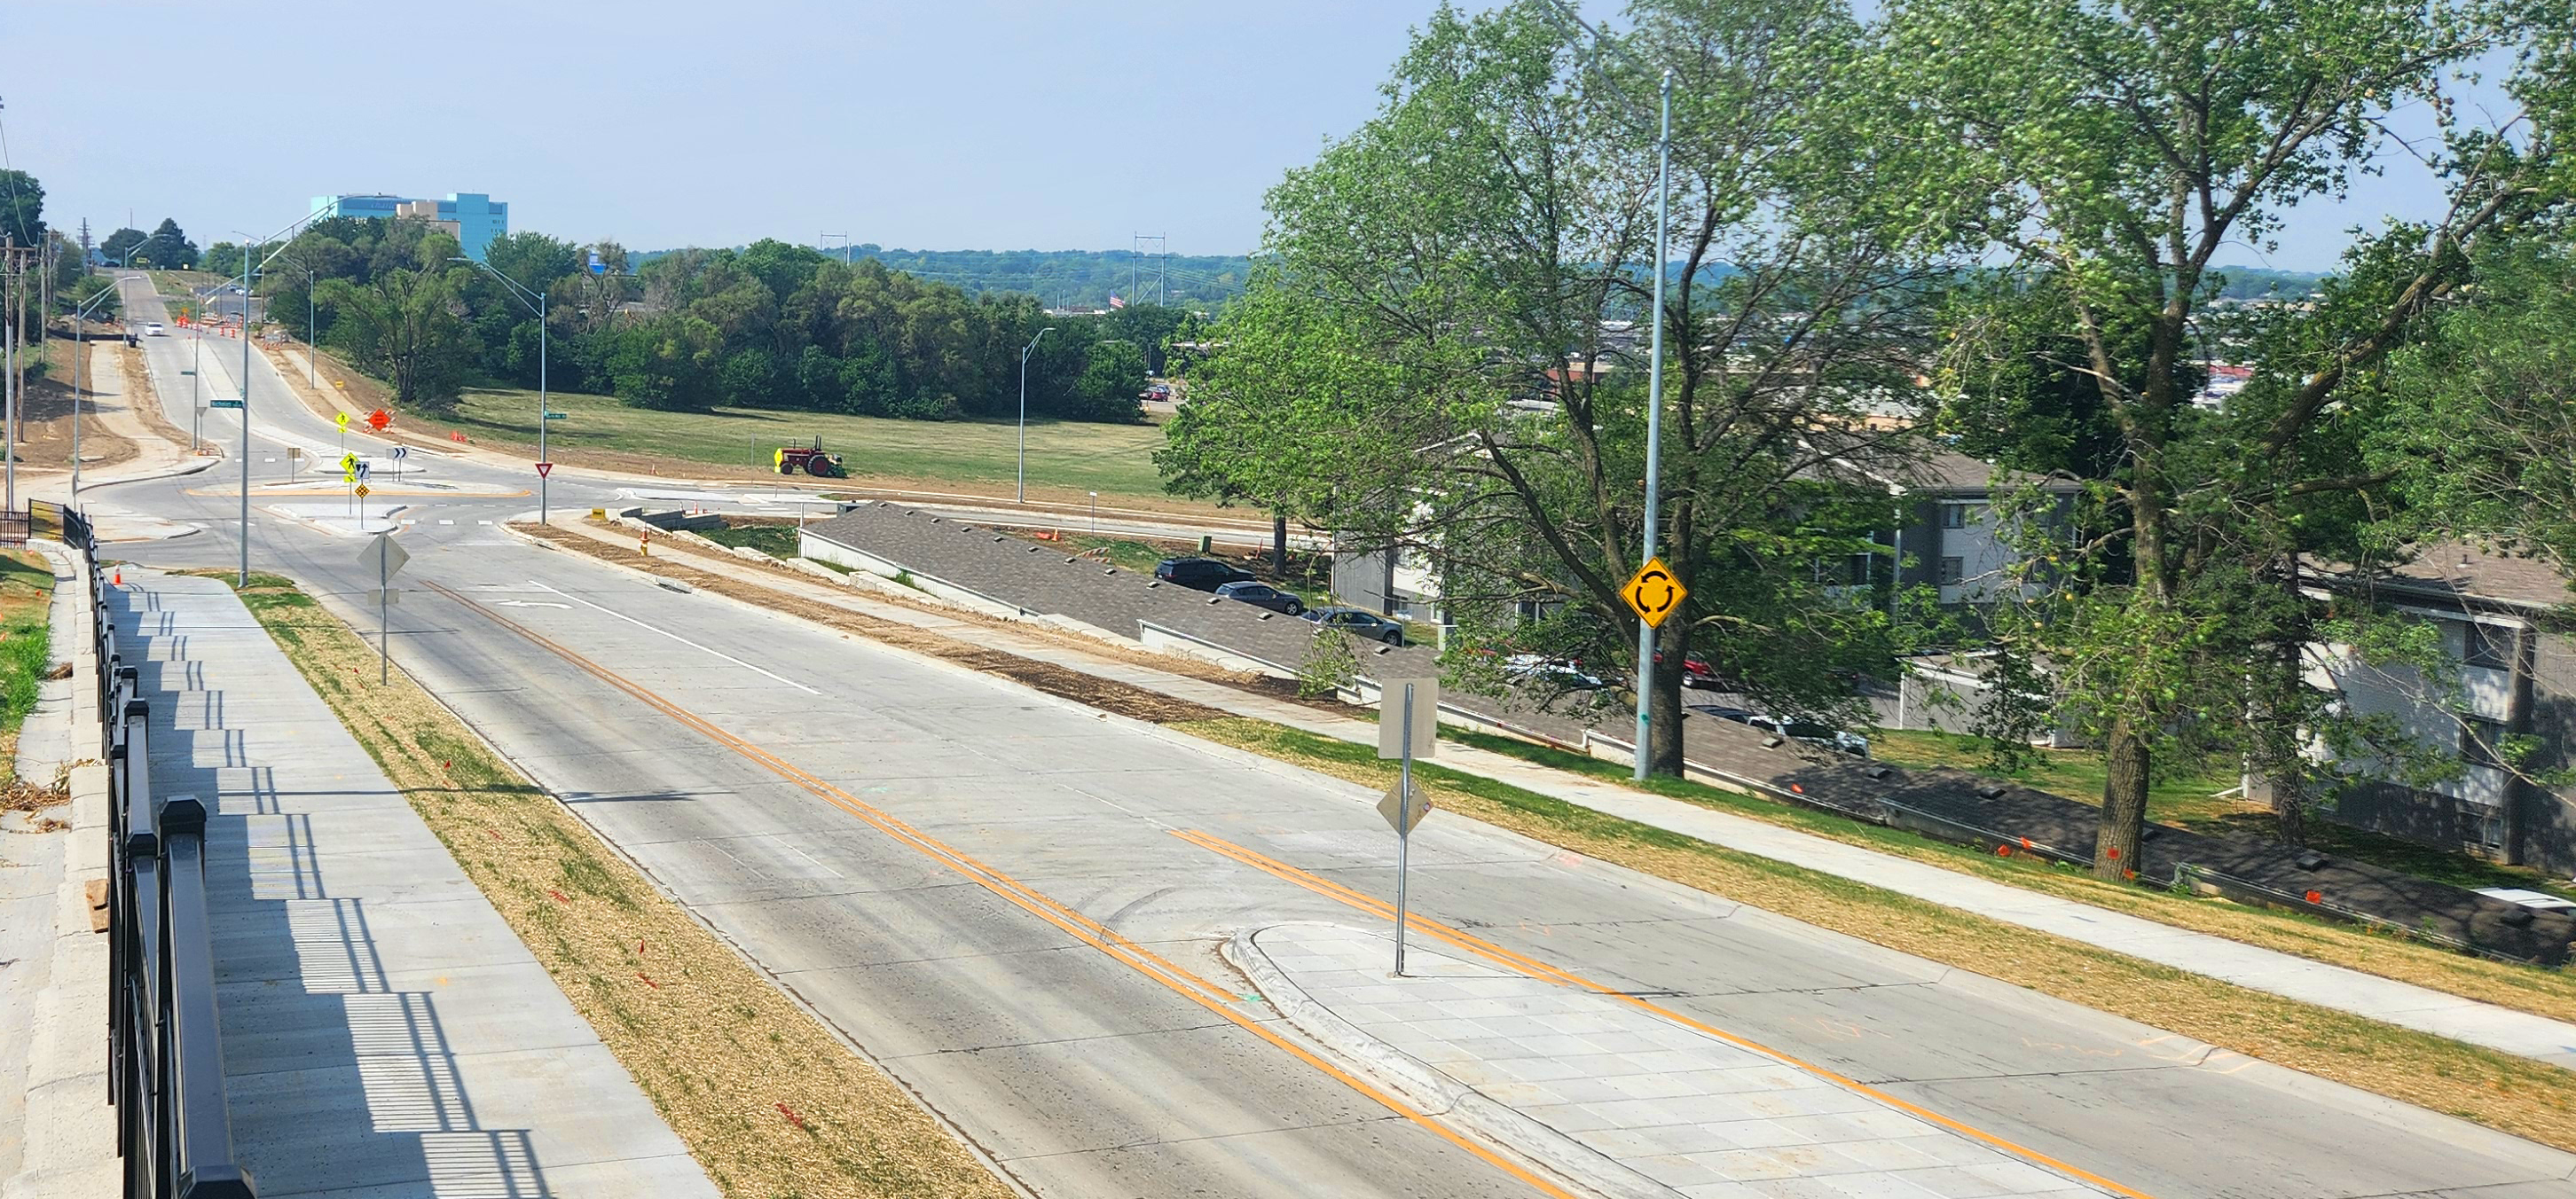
2334 987
384 1031
1612 1094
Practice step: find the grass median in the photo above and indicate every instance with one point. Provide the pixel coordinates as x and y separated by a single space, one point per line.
768 1100
2512 1094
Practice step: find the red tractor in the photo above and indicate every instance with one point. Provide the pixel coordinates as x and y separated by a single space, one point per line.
810 459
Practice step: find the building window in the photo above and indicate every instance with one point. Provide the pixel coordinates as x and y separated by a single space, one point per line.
2489 646
1954 516
1952 571
2479 739
1859 571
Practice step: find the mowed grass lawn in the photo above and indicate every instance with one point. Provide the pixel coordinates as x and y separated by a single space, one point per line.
1067 459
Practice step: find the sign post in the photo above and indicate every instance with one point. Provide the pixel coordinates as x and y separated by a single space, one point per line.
1416 724
1654 594
388 557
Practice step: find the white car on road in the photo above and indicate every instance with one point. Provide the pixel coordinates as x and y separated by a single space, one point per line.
154 330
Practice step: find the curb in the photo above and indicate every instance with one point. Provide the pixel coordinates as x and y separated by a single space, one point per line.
1417 1083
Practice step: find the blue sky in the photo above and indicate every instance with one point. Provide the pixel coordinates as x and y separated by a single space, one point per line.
960 124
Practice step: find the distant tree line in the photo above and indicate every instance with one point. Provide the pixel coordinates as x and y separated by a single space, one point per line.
768 326
1067 278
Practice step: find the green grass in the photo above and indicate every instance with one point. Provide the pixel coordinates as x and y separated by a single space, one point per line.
2176 797
777 541
2190 801
1066 458
26 642
1309 577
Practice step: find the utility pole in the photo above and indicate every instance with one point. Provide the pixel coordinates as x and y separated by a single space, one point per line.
9 364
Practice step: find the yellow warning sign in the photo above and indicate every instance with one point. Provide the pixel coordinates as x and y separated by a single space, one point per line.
362 491
1654 593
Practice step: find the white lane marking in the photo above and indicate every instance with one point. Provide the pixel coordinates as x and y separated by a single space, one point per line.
482 522
530 604
444 521
676 637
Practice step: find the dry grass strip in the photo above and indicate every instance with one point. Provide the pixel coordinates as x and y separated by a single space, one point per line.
2512 1094
2538 990
767 1099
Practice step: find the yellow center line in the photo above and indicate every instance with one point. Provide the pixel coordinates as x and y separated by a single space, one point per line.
1180 980
1541 970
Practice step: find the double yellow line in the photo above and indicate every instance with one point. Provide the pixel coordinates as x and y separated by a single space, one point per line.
1144 961
1522 964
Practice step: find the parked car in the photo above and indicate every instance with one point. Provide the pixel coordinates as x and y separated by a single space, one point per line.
1263 595
154 330
1820 736
1200 574
1358 624
1567 673
1697 674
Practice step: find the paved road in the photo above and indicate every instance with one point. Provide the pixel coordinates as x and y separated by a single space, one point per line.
982 886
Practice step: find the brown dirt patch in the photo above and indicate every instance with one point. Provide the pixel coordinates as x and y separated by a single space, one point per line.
45 423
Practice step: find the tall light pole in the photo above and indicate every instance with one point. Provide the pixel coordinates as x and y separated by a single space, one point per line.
80 367
545 407
1654 380
1023 496
250 275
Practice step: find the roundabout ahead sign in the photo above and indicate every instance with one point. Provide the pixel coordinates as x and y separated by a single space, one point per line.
1654 593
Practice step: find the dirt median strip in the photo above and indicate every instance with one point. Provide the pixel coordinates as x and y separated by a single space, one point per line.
767 1098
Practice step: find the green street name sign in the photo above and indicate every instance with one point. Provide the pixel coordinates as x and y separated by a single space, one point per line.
228 403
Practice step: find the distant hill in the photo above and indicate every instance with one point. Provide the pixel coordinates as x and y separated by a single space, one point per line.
1066 278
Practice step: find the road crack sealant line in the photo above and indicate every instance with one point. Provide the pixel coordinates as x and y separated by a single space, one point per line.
1118 947
1533 968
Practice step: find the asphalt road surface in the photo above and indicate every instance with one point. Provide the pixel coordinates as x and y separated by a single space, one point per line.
975 881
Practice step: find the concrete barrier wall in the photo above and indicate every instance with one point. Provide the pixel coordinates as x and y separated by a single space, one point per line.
825 550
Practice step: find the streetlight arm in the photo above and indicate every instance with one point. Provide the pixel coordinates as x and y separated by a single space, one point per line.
535 300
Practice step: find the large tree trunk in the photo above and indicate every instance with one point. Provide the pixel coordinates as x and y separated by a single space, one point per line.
1279 544
1664 712
2124 804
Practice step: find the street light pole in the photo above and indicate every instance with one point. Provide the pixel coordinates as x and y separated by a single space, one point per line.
545 405
1023 495
80 367
1655 422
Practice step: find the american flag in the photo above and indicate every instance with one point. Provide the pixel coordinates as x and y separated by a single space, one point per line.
1115 302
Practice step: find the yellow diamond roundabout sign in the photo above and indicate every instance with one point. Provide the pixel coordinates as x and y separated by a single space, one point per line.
1654 593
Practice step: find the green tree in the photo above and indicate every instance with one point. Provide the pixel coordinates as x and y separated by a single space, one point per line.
407 328
22 208
1445 353
1113 376
168 248
2111 152
2483 435
120 244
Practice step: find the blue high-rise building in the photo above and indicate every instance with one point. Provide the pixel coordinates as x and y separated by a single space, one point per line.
473 217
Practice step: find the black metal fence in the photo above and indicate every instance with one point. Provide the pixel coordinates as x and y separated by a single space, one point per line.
165 1056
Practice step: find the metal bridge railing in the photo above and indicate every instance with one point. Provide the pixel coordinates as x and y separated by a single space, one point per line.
165 1056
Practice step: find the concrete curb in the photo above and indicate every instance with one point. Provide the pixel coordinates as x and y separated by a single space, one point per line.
1434 1093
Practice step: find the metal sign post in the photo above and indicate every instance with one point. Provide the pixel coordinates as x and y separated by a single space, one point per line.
388 557
1404 807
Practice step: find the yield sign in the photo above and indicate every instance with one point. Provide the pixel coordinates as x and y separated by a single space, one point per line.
385 553
1654 593
544 469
